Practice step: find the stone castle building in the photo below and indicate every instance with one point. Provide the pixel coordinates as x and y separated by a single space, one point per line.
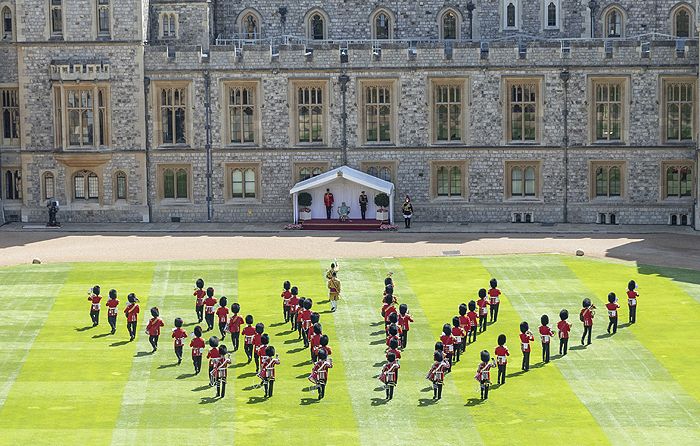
481 110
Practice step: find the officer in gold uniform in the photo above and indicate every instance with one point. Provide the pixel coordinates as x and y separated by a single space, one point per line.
333 291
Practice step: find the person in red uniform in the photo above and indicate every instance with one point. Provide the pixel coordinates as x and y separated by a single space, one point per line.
153 328
132 314
261 349
324 346
502 354
328 201
393 333
458 335
319 373
315 340
222 316
632 296
525 338
393 348
436 374
248 336
209 308
494 299
464 322
483 374
286 295
482 303
315 317
564 327
257 341
179 336
197 345
199 294
473 322
612 307
95 298
305 318
388 309
112 304
234 325
213 356
448 343
390 375
405 320
546 334
300 310
267 370
586 316
293 307
221 371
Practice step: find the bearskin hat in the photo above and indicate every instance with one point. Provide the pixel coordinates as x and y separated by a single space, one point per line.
524 327
403 309
462 309
391 357
321 354
308 303
324 340
264 339
393 330
223 301
388 299
564 314
96 290
198 331
270 351
210 292
236 307
501 339
178 322
286 285
131 298
294 290
612 298
439 346
318 329
482 293
249 319
388 281
223 350
301 302
544 319
393 318
214 342
472 305
632 285
493 283
259 328
112 294
155 312
485 356
446 329
437 356
455 321
315 317
389 289
586 302
199 283
332 265
394 343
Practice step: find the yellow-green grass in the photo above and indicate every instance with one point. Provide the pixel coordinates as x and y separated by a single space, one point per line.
63 382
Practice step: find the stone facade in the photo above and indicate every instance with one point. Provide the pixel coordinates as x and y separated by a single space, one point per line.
136 61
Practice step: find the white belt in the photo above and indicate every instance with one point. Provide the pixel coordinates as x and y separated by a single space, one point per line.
545 338
612 313
209 309
501 359
458 339
526 345
632 302
95 306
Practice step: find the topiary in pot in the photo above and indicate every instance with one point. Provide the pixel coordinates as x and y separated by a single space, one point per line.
304 200
381 200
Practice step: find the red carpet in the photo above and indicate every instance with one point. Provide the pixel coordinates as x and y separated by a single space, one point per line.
337 225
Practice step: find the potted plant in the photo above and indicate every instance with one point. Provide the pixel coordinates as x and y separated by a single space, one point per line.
304 199
382 202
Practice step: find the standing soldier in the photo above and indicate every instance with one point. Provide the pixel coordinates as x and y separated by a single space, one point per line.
153 328
213 356
632 296
436 374
587 314
199 293
502 354
248 336
482 303
334 291
305 321
286 295
221 371
257 341
390 374
447 343
564 328
483 374
363 204
112 310
209 304
267 370
405 320
222 315
261 350
95 298
179 335
393 348
459 336
293 307
407 210
494 299
546 334
612 307
315 334
328 201
471 334
319 373
197 344
234 325
464 322
325 347
132 313
525 338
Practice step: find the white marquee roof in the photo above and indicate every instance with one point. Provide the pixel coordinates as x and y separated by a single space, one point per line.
349 174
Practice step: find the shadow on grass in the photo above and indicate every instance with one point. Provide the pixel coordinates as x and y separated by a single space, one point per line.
256 400
577 347
379 388
474 402
425 402
278 324
120 343
376 324
308 389
303 364
302 376
296 350
378 342
427 389
321 302
103 335
208 400
539 365
251 387
309 401
379 401
285 333
86 328
325 312
604 336
516 374
142 354
377 333
625 325
378 364
167 366
186 375
246 375
191 324
200 388
292 341
240 364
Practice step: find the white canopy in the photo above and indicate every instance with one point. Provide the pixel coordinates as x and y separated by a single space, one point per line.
346 184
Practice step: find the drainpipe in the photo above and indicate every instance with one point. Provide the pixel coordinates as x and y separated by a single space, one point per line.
207 145
564 75
146 85
344 79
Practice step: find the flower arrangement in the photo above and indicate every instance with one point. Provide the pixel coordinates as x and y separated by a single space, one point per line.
292 227
387 227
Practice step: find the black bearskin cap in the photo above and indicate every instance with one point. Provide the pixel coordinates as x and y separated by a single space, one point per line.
388 299
586 302
96 290
631 285
308 303
315 317
178 322
199 283
544 320
524 327
131 298
264 339
388 281
391 357
210 292
437 356
393 318
482 293
112 294
485 356
472 305
223 301
249 319
455 321
493 283
223 350
446 329
322 355
318 329
155 312
214 342
324 340
260 328
501 339
394 343
611 297
198 331
462 309
286 285
270 351
236 307
439 346
393 330
294 290
564 314
403 309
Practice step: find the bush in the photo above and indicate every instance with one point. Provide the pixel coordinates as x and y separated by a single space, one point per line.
304 199
381 200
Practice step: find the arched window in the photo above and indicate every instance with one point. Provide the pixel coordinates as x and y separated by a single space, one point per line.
382 25
552 18
103 22
13 184
243 183
385 173
86 186
511 14
249 25
681 21
56 18
120 186
6 23
316 25
168 26
614 23
450 25
49 185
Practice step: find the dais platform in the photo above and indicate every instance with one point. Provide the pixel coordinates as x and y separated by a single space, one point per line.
337 225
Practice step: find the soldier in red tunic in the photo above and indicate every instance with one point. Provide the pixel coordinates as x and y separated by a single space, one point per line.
564 327
405 320
319 373
482 303
213 356
325 347
390 375
632 296
502 354
525 338
393 348
392 333
261 350
612 307
112 304
293 308
315 339
221 371
179 336
199 294
234 325
248 336
95 298
459 336
132 313
153 328
494 299
305 319
483 374
546 334
447 343
388 309
268 368
464 322
586 316
257 341
222 316
436 374
197 345
286 295
209 304
328 201
473 323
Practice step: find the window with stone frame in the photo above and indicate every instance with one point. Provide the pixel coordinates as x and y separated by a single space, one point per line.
304 171
377 111
317 25
678 180
450 23
244 181
551 14
523 110
104 24
82 115
120 186
448 179
56 18
608 109
679 109
175 183
173 114
448 108
13 184
249 25
523 180
682 17
382 25
511 14
243 112
7 23
9 109
48 186
614 22
168 25
309 113
607 179
86 185
381 170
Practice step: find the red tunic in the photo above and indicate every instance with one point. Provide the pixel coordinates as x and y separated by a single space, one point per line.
315 342
319 372
612 309
222 313
405 322
153 327
221 367
632 298
437 371
483 372
234 325
458 333
179 335
286 295
197 345
472 319
112 307
387 310
305 316
587 317
395 352
564 329
482 303
213 356
328 199
389 338
95 302
248 334
494 294
132 312
209 304
545 334
447 344
293 304
464 322
525 342
267 367
260 350
199 294
389 374
257 340
502 354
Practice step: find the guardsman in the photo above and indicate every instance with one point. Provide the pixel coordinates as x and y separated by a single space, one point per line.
632 296
197 345
257 342
494 299
482 303
525 338
234 325
459 336
405 320
483 374
178 336
448 343
95 298
209 304
612 307
436 374
473 323
363 204
293 307
328 201
221 371
586 316
132 313
248 336
564 327
286 295
222 316
112 304
199 294
267 370
390 374
319 373
213 356
502 354
153 328
334 290
546 334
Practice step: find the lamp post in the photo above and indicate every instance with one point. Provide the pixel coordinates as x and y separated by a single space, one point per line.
564 75
593 6
470 15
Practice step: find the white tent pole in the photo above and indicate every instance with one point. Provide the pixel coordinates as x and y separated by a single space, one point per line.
295 206
391 207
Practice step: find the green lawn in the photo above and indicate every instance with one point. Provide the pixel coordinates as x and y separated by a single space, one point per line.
64 382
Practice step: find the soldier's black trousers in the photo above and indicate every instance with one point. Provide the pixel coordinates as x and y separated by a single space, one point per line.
485 390
404 339
293 320
221 387
305 337
257 362
563 346
199 309
526 361
95 316
612 324
248 348
154 341
112 322
493 310
328 212
633 314
285 312
197 362
471 336
178 353
501 373
222 329
545 352
587 329
482 323
363 212
209 318
321 389
437 391
269 385
212 380
234 338
458 350
131 327
390 391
